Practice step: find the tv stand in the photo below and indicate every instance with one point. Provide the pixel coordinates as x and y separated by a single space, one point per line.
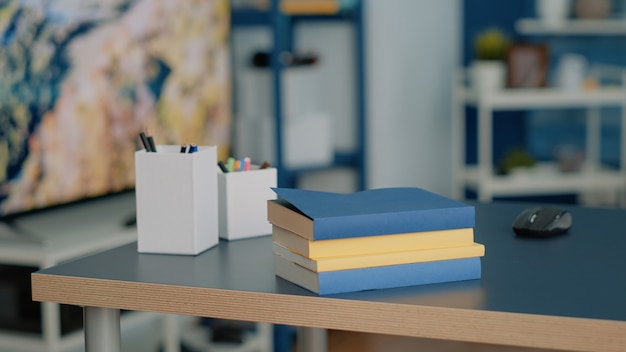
130 220
11 231
44 239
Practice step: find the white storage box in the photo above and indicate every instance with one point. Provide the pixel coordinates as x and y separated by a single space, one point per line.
243 197
301 92
177 200
307 140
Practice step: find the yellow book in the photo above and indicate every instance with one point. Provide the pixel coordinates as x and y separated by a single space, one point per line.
381 259
372 244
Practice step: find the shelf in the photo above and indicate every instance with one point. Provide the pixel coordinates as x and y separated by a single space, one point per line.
340 159
546 179
296 10
198 338
19 341
249 17
572 27
310 7
23 341
525 98
280 18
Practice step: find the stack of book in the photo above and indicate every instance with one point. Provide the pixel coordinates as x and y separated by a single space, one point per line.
390 237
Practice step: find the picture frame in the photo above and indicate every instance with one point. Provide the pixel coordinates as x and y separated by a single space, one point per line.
527 66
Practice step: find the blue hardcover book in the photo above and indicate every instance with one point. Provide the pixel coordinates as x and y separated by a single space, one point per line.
323 215
342 281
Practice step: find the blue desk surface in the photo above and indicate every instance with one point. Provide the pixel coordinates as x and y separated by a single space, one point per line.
581 274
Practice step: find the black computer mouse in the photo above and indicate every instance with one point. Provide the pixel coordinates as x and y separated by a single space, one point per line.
542 221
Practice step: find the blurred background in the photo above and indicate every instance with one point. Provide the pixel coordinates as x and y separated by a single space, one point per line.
481 99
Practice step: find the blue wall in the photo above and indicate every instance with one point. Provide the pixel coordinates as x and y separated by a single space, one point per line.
547 129
478 15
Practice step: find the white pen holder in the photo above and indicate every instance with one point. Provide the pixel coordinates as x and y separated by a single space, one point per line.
243 197
177 200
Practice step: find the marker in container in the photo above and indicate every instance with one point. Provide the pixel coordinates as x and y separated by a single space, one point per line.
222 166
152 146
144 141
151 142
230 164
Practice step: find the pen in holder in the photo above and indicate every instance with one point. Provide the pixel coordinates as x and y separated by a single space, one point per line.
177 200
243 197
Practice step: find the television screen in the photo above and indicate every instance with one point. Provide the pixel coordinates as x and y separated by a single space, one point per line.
80 79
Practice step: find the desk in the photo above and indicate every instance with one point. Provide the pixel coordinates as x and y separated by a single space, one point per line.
564 292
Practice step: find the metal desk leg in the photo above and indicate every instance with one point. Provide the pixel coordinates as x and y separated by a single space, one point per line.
312 339
102 329
51 325
171 333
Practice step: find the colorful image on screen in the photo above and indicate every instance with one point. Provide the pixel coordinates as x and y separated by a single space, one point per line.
79 79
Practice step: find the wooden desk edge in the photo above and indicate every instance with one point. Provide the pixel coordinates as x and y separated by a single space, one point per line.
525 330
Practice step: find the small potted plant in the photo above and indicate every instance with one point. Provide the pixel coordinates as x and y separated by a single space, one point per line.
488 70
514 159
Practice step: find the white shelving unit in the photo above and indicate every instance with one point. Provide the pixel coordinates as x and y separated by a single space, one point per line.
531 26
543 179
